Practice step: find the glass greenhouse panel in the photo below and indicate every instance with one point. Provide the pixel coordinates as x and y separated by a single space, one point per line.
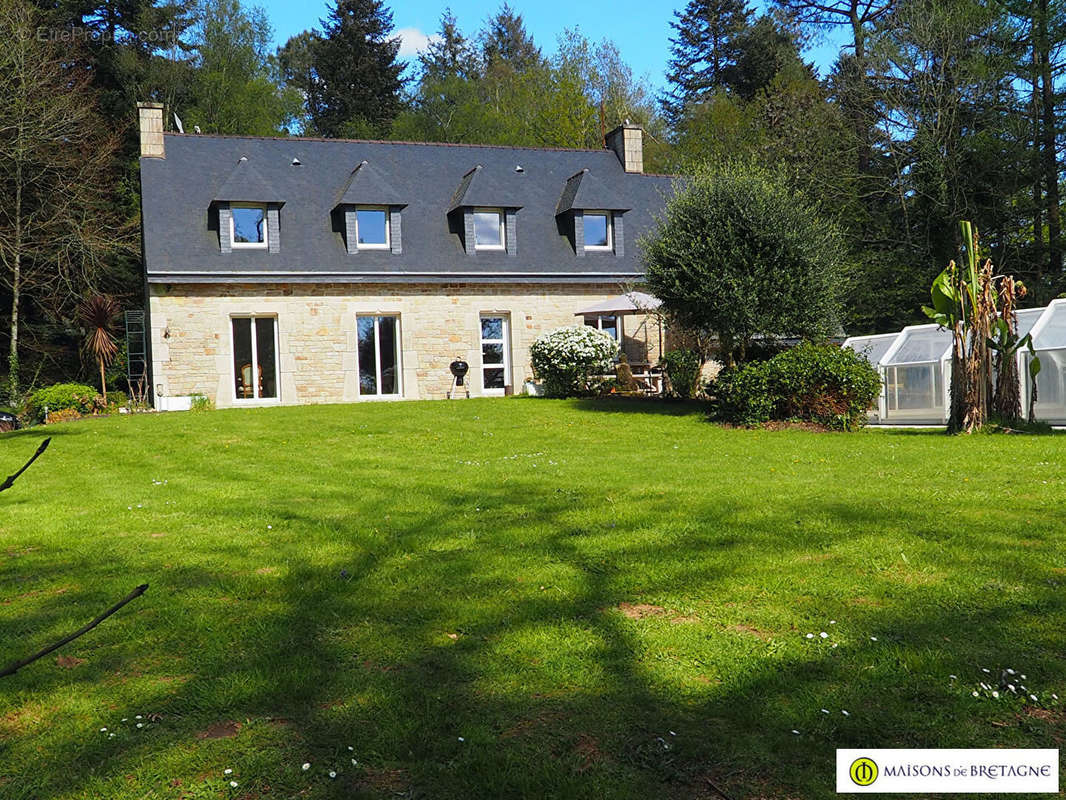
922 345
873 347
915 391
1051 334
1027 318
1051 386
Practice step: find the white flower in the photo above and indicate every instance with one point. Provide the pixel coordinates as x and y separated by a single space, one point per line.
795 731
873 638
834 644
810 635
306 766
825 710
350 748
845 713
138 717
824 635
103 730
976 694
461 739
355 763
954 677
832 622
984 670
140 724
227 772
332 774
233 784
1011 672
125 718
995 694
1033 697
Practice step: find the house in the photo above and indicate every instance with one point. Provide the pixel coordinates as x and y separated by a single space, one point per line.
291 270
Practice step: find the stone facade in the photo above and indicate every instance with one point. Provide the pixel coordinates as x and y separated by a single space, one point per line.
192 350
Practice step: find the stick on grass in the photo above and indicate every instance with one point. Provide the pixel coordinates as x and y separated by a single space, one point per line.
10 480
13 668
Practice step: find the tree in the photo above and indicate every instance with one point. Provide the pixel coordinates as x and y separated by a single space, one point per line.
349 73
505 44
702 52
98 314
450 54
57 222
739 254
236 84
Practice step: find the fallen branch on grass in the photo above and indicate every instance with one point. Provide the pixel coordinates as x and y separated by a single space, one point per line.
13 668
10 480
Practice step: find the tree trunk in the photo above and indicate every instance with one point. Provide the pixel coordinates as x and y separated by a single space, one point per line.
1038 186
1049 132
16 288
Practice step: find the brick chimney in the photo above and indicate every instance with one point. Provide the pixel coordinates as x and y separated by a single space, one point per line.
627 141
150 122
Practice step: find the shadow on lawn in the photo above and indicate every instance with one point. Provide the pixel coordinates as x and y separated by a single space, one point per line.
555 691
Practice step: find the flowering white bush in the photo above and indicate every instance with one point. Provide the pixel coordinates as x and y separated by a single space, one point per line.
566 358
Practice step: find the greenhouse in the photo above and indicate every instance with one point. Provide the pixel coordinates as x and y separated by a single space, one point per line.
1049 342
915 367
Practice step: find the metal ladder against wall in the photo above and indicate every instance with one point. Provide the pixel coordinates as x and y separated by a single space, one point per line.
136 352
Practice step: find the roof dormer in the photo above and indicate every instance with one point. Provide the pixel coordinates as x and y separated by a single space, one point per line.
249 211
370 211
590 215
487 206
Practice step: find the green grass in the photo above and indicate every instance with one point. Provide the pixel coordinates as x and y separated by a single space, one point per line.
450 590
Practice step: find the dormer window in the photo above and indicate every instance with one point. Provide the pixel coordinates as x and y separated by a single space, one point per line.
372 227
489 229
598 234
248 226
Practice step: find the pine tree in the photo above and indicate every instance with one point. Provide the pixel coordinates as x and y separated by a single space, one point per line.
703 50
357 80
505 44
450 54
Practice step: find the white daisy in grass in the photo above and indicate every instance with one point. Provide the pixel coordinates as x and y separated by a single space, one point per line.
103 730
810 635
350 748
461 739
873 638
1033 698
795 731
825 710
233 784
140 724
845 713
355 763
995 695
332 774
227 772
976 694
824 635
306 766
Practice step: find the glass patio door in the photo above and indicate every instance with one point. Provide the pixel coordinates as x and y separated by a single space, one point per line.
379 356
495 353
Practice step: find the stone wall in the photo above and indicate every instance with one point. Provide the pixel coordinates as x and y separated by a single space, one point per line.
316 323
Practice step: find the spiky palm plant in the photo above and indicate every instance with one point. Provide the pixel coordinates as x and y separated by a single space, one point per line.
98 314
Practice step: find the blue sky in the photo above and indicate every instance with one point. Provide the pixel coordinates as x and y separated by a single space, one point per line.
640 28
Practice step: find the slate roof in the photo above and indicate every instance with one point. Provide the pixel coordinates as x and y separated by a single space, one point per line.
367 186
585 191
245 184
181 236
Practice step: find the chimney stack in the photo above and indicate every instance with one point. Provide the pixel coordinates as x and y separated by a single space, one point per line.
627 141
150 122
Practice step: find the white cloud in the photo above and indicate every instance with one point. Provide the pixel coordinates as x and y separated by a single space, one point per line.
413 41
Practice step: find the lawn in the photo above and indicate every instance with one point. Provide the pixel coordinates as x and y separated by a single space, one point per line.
517 598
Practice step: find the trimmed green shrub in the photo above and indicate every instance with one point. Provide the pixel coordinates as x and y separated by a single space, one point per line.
742 395
683 369
60 397
567 360
825 384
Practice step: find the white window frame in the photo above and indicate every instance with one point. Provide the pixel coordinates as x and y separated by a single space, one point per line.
388 233
377 358
599 324
255 398
505 340
503 229
610 231
233 228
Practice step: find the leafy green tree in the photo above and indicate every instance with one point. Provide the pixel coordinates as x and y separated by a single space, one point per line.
702 52
349 73
236 83
738 254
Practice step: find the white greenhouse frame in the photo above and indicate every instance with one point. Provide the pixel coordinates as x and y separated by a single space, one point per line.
888 354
